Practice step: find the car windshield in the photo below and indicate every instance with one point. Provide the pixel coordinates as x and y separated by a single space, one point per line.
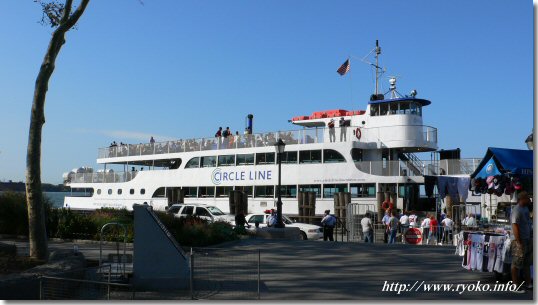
215 211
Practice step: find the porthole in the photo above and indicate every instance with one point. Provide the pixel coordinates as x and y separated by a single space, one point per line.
119 191
142 191
131 191
110 191
98 191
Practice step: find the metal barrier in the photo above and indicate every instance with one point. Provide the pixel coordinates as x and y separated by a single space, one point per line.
225 274
355 213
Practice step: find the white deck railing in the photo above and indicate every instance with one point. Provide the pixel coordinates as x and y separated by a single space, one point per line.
426 138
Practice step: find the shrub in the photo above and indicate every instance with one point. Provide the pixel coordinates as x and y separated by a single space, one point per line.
13 213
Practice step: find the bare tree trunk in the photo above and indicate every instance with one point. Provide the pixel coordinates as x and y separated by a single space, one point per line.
34 196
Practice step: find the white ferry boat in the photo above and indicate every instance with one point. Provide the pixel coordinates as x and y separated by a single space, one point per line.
366 152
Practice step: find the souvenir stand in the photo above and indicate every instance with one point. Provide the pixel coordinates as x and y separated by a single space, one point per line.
502 172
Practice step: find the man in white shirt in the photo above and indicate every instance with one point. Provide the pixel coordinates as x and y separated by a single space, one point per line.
426 229
413 220
404 224
367 229
448 224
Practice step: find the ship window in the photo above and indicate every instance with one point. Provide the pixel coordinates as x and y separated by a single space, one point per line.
413 108
245 189
206 191
332 156
120 191
404 108
247 159
264 191
330 189
193 163
310 156
393 108
265 158
98 191
362 190
419 110
356 154
374 109
288 191
226 160
289 157
190 191
159 192
131 191
110 191
210 161
311 188
224 191
142 191
383 108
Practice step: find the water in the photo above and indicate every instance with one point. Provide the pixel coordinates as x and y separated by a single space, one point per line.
57 198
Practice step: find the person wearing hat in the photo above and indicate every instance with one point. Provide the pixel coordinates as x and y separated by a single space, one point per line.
343 129
332 136
521 241
328 222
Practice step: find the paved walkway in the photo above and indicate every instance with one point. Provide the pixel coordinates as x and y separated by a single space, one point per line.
314 270
310 270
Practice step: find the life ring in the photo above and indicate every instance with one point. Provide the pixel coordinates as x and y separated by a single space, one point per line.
358 133
387 205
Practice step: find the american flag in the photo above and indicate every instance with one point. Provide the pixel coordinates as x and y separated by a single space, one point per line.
343 68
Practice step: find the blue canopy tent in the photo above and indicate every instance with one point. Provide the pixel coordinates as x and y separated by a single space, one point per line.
498 161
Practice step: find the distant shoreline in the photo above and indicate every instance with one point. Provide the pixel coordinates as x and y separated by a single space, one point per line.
20 187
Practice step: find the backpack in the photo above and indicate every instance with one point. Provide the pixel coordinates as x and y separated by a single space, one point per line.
225 133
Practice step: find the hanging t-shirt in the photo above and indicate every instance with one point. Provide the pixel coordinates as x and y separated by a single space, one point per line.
477 242
494 241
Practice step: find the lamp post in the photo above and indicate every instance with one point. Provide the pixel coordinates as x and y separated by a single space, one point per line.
279 147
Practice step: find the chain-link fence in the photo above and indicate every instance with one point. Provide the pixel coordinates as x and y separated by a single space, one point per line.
215 273
92 283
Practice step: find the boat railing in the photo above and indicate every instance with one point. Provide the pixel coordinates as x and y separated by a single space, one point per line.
425 136
110 177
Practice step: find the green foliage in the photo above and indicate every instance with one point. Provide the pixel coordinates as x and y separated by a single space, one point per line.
67 224
195 232
13 213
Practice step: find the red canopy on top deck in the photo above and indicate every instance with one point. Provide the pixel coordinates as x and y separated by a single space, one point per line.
327 114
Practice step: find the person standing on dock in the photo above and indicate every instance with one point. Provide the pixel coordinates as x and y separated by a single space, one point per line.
328 222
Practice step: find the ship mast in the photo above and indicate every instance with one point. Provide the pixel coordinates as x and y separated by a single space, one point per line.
378 70
377 74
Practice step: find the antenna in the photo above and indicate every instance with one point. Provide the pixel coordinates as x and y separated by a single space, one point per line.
378 70
377 53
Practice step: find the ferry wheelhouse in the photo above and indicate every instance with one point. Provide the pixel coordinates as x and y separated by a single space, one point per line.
366 152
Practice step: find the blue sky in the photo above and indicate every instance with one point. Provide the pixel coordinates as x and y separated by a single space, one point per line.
179 69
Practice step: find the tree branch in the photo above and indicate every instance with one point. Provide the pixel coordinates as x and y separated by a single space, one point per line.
67 11
76 15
